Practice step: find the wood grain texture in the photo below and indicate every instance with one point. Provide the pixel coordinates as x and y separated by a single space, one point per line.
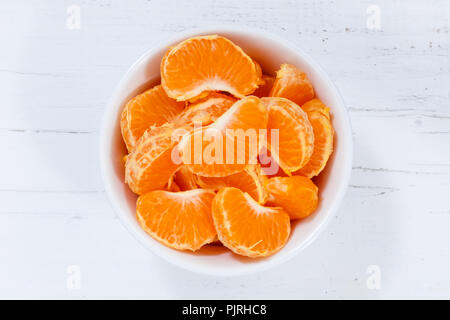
55 83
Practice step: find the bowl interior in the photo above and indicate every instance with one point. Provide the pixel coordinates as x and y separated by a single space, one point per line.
270 52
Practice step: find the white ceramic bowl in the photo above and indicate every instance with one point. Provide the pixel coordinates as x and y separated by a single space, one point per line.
270 51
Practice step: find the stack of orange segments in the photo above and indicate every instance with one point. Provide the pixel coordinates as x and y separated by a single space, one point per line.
249 188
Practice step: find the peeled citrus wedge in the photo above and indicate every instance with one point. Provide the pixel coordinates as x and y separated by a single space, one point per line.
229 144
249 181
297 195
293 84
205 111
180 220
150 165
295 144
265 87
208 63
151 108
319 117
246 227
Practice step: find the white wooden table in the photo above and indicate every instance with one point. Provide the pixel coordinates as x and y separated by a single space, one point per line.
59 237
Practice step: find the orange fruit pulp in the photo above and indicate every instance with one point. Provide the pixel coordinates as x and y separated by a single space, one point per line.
246 227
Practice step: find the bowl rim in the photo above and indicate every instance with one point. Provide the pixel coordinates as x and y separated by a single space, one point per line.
156 46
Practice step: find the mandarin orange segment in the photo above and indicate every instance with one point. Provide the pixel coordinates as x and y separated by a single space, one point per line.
205 111
185 179
297 195
246 227
319 116
208 63
150 165
249 180
315 105
180 220
293 84
264 89
151 108
295 143
229 144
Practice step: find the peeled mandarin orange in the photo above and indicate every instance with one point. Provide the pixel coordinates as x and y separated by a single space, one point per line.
249 181
185 179
319 117
295 134
208 63
246 227
205 111
229 144
180 220
292 84
264 89
150 165
297 195
202 162
151 108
